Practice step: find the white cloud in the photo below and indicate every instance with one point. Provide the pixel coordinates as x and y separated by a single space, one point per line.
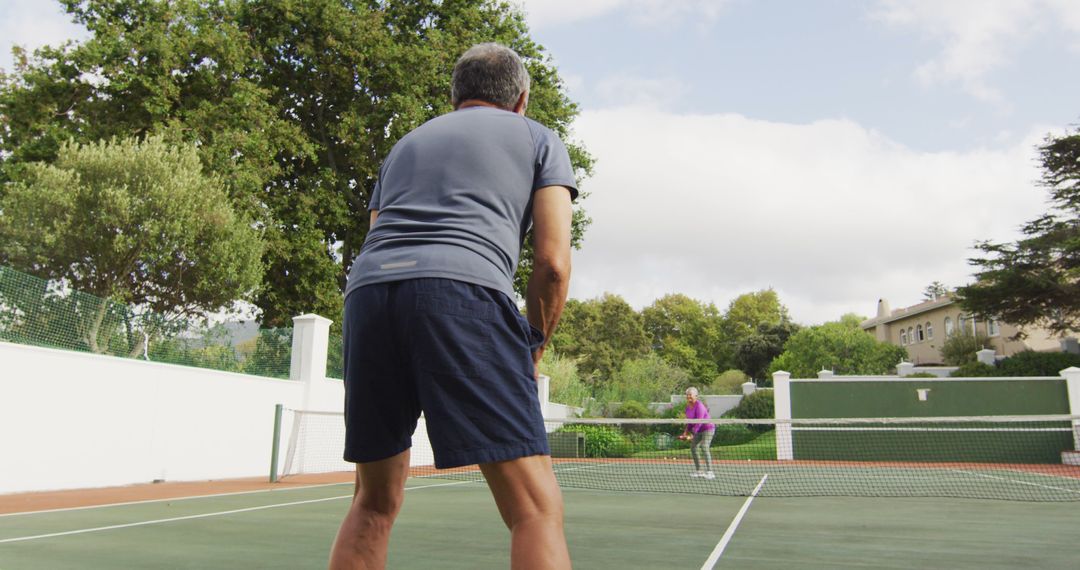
628 90
976 37
830 214
544 13
32 24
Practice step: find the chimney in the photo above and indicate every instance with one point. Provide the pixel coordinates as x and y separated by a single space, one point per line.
883 308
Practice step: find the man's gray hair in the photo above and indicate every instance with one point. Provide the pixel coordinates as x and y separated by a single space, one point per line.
691 391
489 72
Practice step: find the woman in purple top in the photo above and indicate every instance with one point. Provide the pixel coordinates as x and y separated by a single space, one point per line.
702 434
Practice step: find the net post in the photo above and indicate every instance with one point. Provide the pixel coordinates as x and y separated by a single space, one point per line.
782 411
277 444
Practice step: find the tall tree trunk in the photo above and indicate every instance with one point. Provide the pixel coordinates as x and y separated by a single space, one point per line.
91 337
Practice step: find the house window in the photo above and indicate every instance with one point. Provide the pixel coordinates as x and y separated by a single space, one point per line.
948 326
911 335
919 333
993 328
903 337
929 331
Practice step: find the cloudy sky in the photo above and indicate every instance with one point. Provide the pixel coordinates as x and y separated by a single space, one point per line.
838 151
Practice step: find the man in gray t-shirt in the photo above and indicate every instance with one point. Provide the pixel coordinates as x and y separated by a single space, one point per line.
455 196
430 322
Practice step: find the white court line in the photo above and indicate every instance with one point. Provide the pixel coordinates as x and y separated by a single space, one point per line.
203 516
185 498
730 532
1015 481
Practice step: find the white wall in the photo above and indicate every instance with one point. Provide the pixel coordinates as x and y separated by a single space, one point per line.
71 420
717 404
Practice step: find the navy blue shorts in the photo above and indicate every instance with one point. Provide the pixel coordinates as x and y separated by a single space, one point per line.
458 352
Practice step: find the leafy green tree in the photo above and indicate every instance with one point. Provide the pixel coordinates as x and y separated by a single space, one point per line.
647 379
754 353
838 347
728 382
600 334
934 291
853 320
686 333
134 223
749 310
960 347
566 386
272 355
1036 280
294 103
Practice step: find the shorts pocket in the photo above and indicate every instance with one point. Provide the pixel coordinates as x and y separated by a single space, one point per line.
453 336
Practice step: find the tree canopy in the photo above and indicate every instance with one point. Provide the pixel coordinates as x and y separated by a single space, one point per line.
601 334
134 222
293 103
686 333
839 347
1036 279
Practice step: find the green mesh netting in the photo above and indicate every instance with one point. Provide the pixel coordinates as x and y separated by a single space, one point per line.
38 312
335 357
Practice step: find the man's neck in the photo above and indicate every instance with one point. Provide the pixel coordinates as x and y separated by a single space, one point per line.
477 103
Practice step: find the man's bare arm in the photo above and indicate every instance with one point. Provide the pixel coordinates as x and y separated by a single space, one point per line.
545 295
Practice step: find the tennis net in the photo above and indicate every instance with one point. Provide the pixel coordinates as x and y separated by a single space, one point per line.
1020 458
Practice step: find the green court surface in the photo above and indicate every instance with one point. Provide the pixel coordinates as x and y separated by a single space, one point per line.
454 524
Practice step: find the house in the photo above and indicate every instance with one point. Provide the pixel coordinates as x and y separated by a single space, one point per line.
923 328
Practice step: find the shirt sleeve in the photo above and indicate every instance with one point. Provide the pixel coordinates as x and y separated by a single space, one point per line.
376 194
553 166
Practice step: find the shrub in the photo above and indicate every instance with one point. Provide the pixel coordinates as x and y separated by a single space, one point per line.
960 349
921 375
975 370
647 379
756 406
672 413
600 440
730 382
633 410
566 386
733 435
1031 363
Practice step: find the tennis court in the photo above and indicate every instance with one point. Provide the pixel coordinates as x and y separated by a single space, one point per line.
451 522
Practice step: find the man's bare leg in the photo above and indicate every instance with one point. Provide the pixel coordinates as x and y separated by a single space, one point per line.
364 536
530 502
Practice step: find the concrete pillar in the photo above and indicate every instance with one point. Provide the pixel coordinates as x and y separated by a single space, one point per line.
310 341
1072 386
748 388
782 411
904 369
986 356
543 392
824 374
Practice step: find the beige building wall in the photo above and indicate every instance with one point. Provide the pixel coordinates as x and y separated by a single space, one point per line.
923 328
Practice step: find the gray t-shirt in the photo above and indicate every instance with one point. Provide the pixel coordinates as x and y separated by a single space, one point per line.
455 199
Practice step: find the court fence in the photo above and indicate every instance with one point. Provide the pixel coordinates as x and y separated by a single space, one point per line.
48 313
836 397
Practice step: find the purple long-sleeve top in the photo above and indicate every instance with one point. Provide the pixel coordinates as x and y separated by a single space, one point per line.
698 411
